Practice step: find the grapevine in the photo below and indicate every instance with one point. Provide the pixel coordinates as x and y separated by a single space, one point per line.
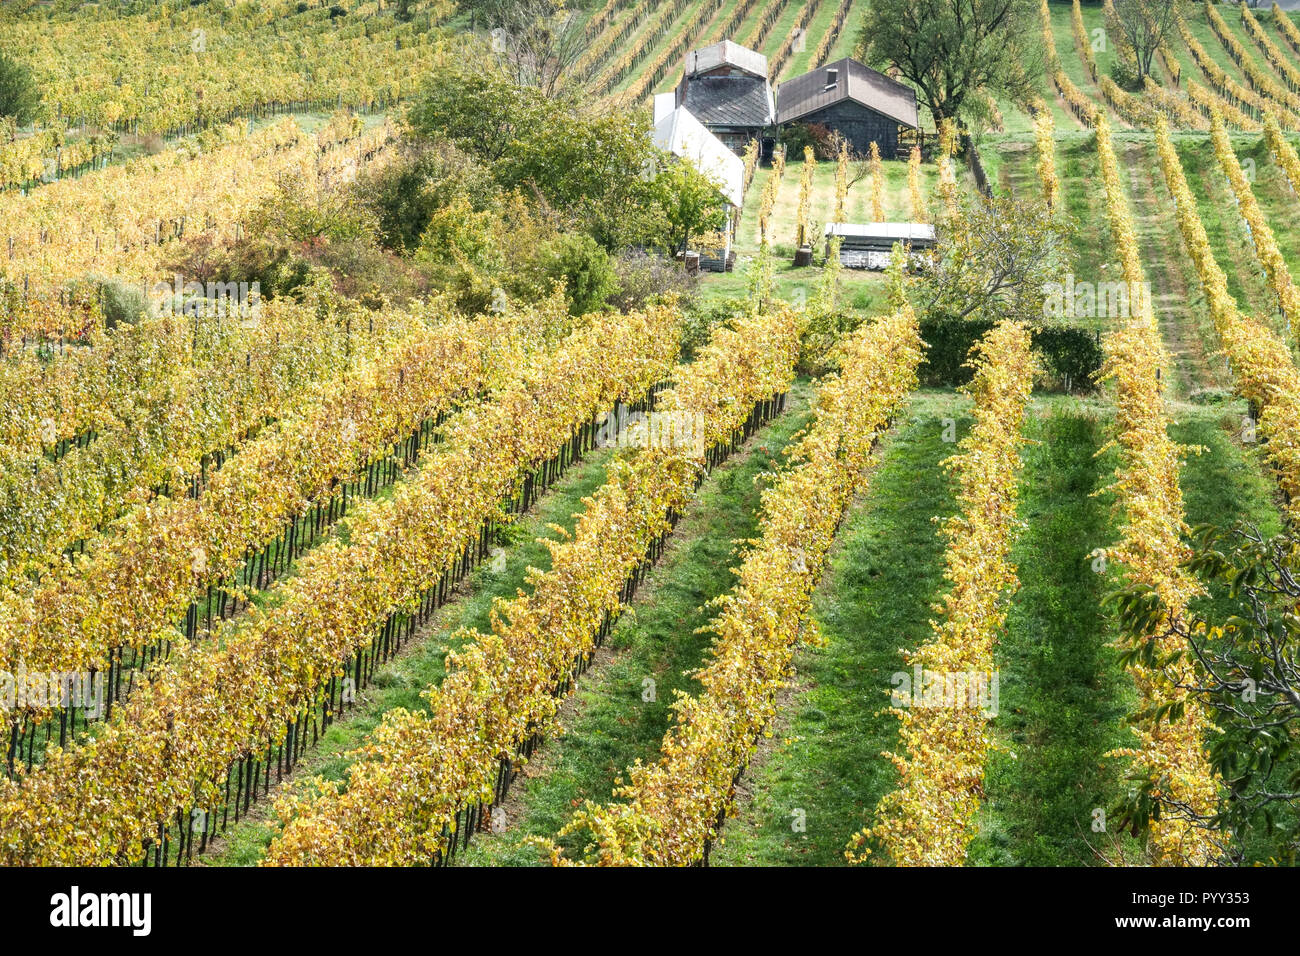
1169 755
676 805
171 746
501 692
928 819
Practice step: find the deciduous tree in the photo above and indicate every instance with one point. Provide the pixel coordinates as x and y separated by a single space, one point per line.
1245 667
994 261
690 203
1145 24
19 95
950 50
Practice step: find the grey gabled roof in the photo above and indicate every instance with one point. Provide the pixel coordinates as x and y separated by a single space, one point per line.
857 82
729 100
726 52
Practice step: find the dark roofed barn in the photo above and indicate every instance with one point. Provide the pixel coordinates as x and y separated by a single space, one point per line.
850 98
725 87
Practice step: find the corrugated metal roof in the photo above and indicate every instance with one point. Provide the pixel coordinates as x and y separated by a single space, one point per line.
904 231
683 135
725 53
856 81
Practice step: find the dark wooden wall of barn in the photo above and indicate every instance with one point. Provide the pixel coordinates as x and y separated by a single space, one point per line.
860 126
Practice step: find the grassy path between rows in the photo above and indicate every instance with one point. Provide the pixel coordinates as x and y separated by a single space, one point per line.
822 766
1062 694
1228 483
1185 324
1064 699
1279 204
800 61
610 722
1092 249
1218 211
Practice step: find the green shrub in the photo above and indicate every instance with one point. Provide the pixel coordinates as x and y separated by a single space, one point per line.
19 95
122 304
583 268
699 322
646 279
1124 73
404 196
796 136
1068 354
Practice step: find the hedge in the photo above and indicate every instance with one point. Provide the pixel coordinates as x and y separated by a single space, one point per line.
1070 356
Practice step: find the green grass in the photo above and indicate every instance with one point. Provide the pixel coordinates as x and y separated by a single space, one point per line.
1276 200
1072 61
863 292
1093 18
783 27
610 724
1181 310
1017 121
821 206
745 29
1225 485
1247 282
1238 30
1009 162
1073 64
847 42
1199 27
1229 481
1184 320
801 62
1084 206
825 757
1062 696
